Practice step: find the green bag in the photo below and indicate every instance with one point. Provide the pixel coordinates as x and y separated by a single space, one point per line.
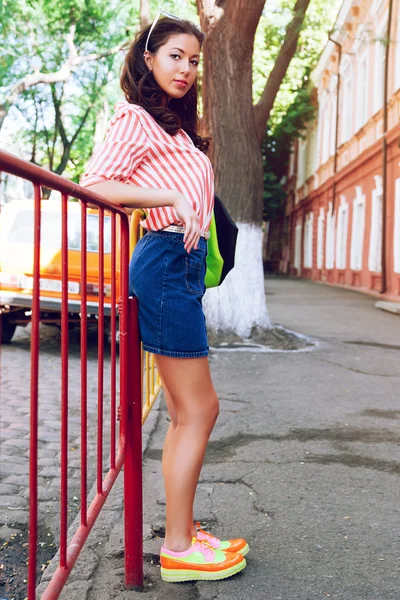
215 262
221 245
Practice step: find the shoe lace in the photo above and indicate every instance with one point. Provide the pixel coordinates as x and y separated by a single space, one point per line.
205 533
206 548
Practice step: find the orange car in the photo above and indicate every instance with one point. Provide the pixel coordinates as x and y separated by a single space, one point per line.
16 264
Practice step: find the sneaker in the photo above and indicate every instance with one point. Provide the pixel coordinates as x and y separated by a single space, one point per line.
238 545
199 562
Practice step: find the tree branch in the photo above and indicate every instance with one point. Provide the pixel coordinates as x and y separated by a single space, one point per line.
145 18
58 125
49 150
263 108
246 13
85 116
63 74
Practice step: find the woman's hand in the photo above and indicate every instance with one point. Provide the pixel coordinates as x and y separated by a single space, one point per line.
188 216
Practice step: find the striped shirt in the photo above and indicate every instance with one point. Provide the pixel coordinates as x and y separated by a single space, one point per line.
137 151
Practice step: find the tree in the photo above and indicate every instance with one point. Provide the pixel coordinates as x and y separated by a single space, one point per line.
296 102
237 128
61 39
276 149
56 62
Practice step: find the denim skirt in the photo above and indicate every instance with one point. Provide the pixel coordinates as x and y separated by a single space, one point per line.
169 285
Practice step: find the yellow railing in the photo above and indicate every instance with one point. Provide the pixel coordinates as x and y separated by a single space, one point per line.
151 378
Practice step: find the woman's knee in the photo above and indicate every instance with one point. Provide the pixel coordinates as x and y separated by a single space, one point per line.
210 411
201 411
216 407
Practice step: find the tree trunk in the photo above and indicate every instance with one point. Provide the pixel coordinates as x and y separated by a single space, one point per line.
228 106
239 304
145 18
237 130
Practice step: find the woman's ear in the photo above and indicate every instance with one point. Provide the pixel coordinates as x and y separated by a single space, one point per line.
148 59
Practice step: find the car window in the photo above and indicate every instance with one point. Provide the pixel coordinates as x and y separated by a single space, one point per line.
21 230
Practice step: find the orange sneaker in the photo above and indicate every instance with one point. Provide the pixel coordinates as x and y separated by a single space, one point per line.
238 545
199 562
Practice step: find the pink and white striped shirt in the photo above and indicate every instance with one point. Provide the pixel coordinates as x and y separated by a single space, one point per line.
139 152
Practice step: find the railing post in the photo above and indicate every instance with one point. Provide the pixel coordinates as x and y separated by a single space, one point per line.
133 486
34 401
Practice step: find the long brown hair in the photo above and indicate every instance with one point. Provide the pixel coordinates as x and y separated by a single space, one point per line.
140 87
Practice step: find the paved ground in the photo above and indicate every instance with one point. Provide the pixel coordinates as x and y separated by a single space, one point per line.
304 463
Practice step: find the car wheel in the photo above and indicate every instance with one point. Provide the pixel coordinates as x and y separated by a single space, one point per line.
7 329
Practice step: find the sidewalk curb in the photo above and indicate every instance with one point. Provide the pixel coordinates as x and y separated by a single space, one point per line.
392 307
80 581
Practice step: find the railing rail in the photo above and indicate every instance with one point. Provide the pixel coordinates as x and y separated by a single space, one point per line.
132 364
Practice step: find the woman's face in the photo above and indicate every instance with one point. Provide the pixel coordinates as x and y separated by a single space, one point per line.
175 64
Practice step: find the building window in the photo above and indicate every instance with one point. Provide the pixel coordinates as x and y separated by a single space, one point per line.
297 247
333 124
326 120
301 164
396 245
330 238
375 244
313 152
362 90
380 59
308 240
347 107
397 61
341 242
357 231
291 163
320 238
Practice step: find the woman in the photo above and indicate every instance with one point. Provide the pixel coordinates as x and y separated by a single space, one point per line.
152 158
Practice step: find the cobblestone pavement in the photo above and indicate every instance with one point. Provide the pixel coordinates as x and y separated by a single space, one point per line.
14 433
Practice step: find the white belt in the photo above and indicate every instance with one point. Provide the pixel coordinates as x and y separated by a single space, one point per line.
181 229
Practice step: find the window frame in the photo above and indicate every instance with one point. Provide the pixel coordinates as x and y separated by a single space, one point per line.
297 245
346 103
320 238
362 88
375 238
330 239
396 241
341 234
308 240
357 244
379 63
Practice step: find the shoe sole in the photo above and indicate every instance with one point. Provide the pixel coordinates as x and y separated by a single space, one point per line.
244 550
177 575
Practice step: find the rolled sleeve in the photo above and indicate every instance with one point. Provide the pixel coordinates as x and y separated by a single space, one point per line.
123 149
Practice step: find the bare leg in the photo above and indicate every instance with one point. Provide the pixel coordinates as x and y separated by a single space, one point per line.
189 385
170 433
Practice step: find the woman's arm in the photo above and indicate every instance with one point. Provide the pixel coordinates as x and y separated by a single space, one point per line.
131 197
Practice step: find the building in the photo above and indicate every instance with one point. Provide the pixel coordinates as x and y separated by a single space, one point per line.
342 223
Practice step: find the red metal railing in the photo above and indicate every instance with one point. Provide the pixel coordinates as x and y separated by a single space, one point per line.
129 450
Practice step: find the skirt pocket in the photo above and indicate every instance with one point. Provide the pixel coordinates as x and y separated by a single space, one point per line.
193 276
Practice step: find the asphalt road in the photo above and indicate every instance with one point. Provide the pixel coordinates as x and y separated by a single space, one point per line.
304 462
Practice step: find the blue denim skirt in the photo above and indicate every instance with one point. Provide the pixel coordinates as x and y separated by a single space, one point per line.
169 285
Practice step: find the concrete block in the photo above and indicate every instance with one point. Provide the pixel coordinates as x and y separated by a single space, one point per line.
393 307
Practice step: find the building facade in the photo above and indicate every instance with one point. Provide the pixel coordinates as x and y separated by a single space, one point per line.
342 223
